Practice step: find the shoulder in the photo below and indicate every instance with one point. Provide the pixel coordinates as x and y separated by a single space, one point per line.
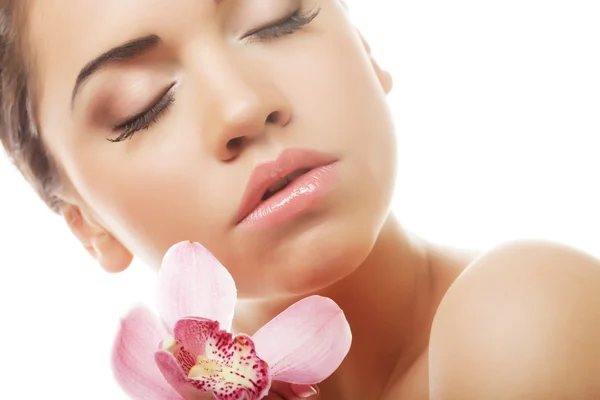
522 320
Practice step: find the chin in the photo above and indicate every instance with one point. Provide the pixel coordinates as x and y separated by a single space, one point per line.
324 246
324 254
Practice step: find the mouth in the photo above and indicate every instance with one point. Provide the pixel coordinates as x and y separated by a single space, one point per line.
273 177
283 183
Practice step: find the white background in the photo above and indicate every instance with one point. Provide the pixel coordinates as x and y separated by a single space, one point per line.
497 106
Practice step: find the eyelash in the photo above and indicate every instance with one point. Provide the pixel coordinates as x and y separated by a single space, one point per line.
145 119
150 116
291 24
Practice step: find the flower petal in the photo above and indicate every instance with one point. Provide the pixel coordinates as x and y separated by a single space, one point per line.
192 282
133 357
225 366
305 343
172 372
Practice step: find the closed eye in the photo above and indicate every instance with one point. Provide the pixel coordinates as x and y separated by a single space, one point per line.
287 26
144 119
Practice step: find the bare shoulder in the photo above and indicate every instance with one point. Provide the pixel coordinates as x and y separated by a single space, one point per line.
520 322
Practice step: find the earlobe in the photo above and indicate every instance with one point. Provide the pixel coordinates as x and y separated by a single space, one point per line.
98 242
110 253
384 77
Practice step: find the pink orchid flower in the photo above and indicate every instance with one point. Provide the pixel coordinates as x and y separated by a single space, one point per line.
189 350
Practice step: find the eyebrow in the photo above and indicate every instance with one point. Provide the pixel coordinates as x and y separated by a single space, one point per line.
124 52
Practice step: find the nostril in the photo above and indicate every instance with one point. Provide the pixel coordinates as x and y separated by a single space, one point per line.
235 143
273 118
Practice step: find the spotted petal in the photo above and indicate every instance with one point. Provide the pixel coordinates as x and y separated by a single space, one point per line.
192 282
133 357
204 358
306 343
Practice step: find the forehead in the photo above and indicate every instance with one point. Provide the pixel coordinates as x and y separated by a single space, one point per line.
75 30
64 35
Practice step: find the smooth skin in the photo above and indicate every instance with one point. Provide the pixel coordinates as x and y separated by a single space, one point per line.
519 322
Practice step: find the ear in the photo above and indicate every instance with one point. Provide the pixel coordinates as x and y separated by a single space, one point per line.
385 78
98 242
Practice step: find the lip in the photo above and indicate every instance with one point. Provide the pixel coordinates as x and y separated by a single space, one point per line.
266 174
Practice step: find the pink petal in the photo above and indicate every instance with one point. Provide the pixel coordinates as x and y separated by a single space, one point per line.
133 357
173 374
195 335
306 343
229 366
192 282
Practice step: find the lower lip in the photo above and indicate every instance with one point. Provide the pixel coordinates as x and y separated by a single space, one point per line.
301 195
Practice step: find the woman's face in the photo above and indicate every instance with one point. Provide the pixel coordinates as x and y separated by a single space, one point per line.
215 96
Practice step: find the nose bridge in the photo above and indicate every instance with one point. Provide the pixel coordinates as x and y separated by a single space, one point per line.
237 94
241 99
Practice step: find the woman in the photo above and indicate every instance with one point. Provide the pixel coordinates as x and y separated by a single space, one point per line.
260 129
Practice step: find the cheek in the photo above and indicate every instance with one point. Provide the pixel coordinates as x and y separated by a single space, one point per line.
343 106
339 108
156 190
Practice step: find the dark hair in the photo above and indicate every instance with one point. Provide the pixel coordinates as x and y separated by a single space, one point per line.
19 132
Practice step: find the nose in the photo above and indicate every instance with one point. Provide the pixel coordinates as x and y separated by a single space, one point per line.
244 111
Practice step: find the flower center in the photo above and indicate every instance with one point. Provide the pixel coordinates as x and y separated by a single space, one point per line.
215 361
205 368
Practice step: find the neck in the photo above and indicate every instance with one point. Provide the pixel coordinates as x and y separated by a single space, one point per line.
386 300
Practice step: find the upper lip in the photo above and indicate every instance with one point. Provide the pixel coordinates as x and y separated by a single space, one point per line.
266 174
